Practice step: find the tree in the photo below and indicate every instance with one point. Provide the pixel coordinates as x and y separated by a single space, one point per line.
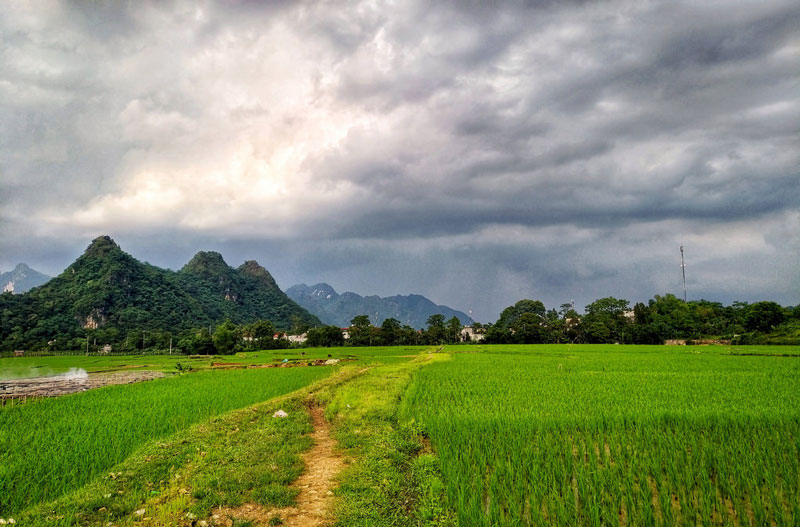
390 330
497 335
605 320
360 331
528 329
225 338
436 333
764 316
453 329
512 313
202 343
261 334
326 336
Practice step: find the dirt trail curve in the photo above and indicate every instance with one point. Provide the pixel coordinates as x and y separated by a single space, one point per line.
315 485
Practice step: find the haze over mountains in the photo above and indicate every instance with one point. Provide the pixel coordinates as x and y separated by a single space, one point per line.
108 289
21 279
339 309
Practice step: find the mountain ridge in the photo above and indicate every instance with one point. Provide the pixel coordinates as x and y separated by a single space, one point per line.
337 309
22 278
107 288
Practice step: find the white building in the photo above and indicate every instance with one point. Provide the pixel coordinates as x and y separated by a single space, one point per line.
468 333
298 339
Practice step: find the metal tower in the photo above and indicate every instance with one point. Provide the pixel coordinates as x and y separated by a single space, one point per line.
683 270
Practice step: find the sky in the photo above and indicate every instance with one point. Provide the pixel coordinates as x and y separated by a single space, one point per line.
474 152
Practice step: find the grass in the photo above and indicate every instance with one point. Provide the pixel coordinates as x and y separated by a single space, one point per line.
392 479
51 446
518 435
243 456
596 435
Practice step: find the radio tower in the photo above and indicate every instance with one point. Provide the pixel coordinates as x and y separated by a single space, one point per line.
683 270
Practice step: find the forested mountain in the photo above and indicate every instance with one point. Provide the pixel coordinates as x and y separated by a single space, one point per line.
107 290
21 279
332 308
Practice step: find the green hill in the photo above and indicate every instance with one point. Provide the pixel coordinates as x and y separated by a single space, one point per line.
109 290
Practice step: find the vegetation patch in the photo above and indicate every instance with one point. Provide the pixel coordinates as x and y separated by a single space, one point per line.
77 437
392 479
246 456
612 435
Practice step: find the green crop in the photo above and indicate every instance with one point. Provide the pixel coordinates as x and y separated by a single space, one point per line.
611 435
48 447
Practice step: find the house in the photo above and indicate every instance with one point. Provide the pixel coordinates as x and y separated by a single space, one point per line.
19 353
298 339
468 333
345 333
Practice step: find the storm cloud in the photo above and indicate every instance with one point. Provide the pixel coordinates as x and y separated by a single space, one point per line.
471 152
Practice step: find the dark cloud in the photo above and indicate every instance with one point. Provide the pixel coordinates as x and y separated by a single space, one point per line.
477 153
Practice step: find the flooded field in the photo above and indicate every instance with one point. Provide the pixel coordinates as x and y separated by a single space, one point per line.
72 381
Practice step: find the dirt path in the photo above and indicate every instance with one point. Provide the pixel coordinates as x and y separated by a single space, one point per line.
315 485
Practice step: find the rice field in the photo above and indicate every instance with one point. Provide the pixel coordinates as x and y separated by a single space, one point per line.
614 435
51 446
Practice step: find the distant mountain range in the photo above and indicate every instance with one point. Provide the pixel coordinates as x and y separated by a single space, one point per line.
339 309
106 288
21 279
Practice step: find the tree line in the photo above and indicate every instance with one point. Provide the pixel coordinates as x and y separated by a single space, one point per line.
662 318
607 320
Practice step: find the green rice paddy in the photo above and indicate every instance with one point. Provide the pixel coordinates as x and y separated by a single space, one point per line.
519 435
611 435
51 446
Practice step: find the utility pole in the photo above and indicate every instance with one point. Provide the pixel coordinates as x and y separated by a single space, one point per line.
683 270
170 345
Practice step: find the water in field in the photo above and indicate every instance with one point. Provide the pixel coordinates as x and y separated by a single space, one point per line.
31 372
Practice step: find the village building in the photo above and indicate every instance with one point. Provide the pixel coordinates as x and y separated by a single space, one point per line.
298 339
470 334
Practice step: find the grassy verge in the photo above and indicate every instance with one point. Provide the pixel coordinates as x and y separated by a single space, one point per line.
244 456
392 478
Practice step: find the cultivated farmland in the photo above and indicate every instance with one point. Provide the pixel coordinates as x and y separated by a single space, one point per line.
518 435
51 446
609 435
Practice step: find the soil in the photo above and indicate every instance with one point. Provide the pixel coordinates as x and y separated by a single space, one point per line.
58 385
315 486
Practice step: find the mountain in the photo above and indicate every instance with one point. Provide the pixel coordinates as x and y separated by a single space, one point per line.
108 289
338 310
21 279
244 294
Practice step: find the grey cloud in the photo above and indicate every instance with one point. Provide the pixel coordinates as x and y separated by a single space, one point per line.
458 118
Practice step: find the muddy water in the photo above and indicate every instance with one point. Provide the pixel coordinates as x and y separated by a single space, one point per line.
71 381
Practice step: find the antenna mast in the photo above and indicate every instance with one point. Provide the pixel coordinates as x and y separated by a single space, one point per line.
683 270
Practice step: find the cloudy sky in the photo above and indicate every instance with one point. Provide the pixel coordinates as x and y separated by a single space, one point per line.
474 152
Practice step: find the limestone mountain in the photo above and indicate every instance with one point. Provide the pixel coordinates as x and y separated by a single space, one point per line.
242 295
107 288
339 309
21 279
